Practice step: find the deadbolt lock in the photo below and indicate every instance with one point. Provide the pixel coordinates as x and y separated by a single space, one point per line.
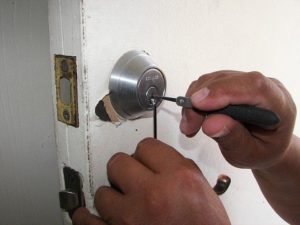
134 79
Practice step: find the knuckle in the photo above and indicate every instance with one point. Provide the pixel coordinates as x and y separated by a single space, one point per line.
115 158
186 173
291 108
290 104
217 75
277 82
117 155
191 163
205 77
221 73
192 88
143 145
218 91
258 80
193 84
100 193
145 141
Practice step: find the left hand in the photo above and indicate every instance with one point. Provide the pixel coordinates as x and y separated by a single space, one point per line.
157 185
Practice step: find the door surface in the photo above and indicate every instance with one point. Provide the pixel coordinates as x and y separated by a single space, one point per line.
186 39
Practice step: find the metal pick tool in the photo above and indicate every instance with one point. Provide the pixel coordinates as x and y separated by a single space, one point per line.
246 114
184 102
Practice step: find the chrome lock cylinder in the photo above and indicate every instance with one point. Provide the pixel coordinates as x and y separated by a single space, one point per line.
134 79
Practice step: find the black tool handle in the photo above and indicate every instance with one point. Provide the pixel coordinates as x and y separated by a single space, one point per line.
247 114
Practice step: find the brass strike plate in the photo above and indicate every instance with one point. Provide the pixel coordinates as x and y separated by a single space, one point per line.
66 89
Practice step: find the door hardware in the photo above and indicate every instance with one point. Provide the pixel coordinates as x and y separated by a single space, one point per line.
72 197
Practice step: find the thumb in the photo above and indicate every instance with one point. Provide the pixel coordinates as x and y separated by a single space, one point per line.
236 143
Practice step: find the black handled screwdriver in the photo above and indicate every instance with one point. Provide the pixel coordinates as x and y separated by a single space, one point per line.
246 114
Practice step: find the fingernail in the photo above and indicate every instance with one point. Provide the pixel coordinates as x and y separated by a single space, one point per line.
200 95
222 133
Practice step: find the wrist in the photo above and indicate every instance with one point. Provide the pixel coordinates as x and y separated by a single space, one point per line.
280 183
288 160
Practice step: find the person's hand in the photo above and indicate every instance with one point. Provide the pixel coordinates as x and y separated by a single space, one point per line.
156 185
242 146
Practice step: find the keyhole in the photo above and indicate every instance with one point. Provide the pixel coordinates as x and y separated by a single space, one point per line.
151 92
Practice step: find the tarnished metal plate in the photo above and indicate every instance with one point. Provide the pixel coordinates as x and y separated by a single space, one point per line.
66 89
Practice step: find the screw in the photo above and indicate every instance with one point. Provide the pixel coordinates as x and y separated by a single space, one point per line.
64 66
181 101
66 115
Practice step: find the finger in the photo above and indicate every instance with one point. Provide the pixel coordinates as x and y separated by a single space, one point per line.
204 79
251 88
83 217
235 141
109 204
127 173
191 122
157 155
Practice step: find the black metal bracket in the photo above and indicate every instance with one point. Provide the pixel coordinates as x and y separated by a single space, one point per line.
72 197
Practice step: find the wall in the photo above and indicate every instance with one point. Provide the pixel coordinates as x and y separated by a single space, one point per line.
187 39
28 160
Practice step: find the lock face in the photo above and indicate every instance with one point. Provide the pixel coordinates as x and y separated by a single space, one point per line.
135 78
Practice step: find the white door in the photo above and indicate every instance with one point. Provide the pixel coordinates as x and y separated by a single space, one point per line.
186 38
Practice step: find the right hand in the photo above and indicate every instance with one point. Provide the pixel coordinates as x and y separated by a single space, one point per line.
242 146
